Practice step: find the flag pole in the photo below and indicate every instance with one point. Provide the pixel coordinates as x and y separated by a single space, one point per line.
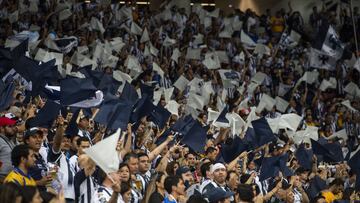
354 27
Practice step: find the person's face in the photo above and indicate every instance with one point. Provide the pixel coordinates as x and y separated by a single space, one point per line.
220 175
35 142
162 102
180 189
252 165
188 177
191 159
30 161
133 165
338 189
10 131
143 164
84 123
161 183
66 144
127 196
74 143
124 174
83 145
204 119
233 181
37 198
209 143
212 155
303 176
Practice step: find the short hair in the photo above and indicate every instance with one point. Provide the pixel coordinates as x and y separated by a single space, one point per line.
229 174
81 139
196 199
205 167
141 154
19 152
186 155
124 187
210 150
245 192
171 181
130 155
122 165
337 182
170 167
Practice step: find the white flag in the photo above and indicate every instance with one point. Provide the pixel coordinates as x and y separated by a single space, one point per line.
104 153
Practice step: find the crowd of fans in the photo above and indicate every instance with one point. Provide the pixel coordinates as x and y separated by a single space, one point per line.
188 67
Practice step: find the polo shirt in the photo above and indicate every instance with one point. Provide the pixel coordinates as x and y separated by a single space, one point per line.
20 178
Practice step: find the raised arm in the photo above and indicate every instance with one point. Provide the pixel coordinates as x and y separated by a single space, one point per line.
59 134
153 154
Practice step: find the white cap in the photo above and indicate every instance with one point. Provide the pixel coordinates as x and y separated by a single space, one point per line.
216 166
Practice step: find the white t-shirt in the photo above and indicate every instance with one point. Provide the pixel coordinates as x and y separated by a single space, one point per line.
103 195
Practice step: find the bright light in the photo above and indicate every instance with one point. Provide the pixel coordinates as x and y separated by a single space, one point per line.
148 2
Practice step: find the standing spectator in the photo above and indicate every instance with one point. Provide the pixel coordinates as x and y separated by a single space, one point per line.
22 158
7 143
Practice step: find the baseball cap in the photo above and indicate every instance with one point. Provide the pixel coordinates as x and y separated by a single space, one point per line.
216 167
181 170
31 132
4 121
217 193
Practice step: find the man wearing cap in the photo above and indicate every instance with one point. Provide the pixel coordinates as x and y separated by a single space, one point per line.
83 127
218 195
58 155
34 139
7 143
219 174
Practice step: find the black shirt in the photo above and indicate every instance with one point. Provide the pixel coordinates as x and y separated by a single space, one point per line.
156 198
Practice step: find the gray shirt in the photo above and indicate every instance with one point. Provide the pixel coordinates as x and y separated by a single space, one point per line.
6 146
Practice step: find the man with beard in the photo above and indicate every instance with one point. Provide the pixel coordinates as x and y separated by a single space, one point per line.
219 174
22 157
34 139
7 143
